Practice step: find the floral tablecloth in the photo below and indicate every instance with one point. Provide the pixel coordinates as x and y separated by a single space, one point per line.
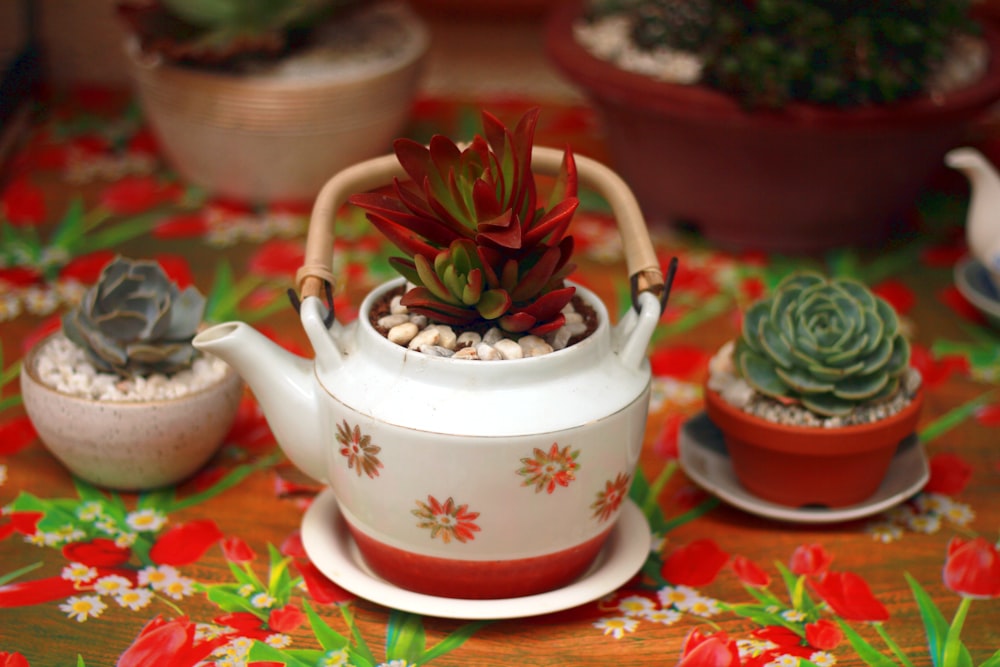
213 572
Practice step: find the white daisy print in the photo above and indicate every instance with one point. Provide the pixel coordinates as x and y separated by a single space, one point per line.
262 600
754 648
278 641
617 626
112 585
146 520
83 607
884 532
134 598
125 540
636 605
662 616
793 615
677 596
823 659
178 588
335 658
924 523
90 511
157 577
79 573
960 514
702 606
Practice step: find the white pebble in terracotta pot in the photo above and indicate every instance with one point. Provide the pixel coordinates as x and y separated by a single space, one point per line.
131 445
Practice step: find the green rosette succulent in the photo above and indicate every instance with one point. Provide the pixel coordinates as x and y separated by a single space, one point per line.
829 344
134 321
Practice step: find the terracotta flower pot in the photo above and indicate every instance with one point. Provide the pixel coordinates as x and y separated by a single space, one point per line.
800 466
130 445
804 179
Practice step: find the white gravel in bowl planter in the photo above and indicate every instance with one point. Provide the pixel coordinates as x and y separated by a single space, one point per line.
128 435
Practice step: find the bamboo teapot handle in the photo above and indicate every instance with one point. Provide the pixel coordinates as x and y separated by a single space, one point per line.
643 269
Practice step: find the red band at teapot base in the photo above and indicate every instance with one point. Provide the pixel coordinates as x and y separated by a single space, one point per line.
477 579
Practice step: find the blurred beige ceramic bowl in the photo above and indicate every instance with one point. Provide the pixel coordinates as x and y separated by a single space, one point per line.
131 445
271 138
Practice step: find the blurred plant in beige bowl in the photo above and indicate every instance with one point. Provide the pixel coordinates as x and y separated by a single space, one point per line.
119 395
264 101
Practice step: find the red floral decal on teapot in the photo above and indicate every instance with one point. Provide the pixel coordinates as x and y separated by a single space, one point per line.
610 499
547 470
360 452
447 520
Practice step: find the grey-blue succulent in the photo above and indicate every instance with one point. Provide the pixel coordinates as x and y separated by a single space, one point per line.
135 321
830 344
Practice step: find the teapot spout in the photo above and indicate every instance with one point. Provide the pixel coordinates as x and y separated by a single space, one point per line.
982 228
284 385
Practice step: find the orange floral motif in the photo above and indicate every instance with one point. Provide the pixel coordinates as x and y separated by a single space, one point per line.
546 470
360 452
447 520
610 499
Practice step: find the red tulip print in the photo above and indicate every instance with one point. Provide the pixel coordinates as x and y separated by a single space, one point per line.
86 269
695 564
898 294
185 543
319 586
715 650
824 635
989 415
849 597
750 573
172 643
286 619
23 204
137 194
277 259
972 568
186 225
99 552
38 591
13 660
810 560
949 474
683 362
15 435
236 550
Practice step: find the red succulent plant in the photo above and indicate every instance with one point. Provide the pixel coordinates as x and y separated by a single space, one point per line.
478 247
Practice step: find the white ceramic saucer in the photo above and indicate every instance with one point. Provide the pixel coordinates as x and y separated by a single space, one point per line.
704 458
973 281
331 548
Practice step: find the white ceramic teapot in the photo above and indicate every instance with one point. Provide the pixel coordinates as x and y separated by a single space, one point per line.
469 479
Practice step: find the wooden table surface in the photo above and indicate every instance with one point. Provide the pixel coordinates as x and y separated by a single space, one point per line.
88 163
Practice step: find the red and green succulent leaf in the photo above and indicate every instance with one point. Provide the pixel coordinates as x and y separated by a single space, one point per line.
467 220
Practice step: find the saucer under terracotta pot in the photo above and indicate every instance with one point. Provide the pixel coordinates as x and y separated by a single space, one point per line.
131 445
802 466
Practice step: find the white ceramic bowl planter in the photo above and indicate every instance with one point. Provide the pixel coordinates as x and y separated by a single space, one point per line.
279 135
130 445
465 479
